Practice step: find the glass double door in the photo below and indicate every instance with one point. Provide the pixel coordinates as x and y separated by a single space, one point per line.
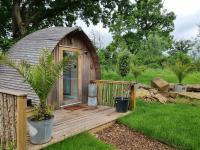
70 78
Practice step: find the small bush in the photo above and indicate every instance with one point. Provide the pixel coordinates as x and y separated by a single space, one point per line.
154 66
181 70
137 71
124 63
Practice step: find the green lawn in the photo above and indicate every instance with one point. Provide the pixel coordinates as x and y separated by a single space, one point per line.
175 124
83 141
149 74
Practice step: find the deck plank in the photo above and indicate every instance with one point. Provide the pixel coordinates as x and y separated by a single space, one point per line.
68 123
81 118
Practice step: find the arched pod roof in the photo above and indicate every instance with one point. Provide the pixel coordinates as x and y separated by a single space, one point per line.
28 48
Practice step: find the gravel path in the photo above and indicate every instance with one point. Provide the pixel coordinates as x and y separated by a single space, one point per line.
125 139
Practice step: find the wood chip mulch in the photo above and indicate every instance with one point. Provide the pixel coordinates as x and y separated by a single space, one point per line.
126 139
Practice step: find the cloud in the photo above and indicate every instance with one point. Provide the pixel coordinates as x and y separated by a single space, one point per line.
186 27
182 7
187 17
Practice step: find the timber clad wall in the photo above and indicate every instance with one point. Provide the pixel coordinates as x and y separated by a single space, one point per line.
29 48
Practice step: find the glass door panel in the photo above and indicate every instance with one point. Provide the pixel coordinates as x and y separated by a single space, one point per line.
70 77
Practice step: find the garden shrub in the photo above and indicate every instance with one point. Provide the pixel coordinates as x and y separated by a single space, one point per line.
124 63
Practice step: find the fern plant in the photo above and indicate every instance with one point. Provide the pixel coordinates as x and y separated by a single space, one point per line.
41 77
181 70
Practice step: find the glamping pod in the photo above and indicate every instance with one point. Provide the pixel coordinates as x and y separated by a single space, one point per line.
72 87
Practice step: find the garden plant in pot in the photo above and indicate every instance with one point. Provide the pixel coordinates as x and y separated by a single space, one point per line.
137 71
42 78
181 70
122 102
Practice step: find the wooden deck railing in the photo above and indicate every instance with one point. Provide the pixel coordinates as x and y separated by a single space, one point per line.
107 90
12 119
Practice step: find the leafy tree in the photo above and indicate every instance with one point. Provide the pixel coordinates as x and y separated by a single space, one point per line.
108 57
196 64
152 17
5 44
137 20
180 57
151 50
101 56
183 46
195 53
111 49
133 42
21 17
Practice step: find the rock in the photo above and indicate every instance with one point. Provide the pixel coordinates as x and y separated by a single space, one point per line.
160 84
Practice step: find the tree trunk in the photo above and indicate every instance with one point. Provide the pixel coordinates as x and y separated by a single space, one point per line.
19 27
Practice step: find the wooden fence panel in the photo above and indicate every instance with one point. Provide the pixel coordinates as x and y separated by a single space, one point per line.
107 90
7 121
12 119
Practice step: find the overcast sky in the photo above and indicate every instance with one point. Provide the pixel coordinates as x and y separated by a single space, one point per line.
187 18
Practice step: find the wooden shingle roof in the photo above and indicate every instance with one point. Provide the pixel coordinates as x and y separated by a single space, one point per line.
28 48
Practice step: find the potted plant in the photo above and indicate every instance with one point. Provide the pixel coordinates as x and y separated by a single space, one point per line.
181 70
137 71
122 102
41 77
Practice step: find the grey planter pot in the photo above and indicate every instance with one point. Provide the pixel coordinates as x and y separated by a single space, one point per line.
92 90
92 101
180 88
137 86
40 131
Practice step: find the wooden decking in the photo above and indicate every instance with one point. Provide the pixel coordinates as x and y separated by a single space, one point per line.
68 122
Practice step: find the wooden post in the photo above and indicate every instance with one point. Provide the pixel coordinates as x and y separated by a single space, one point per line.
97 86
133 98
21 122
